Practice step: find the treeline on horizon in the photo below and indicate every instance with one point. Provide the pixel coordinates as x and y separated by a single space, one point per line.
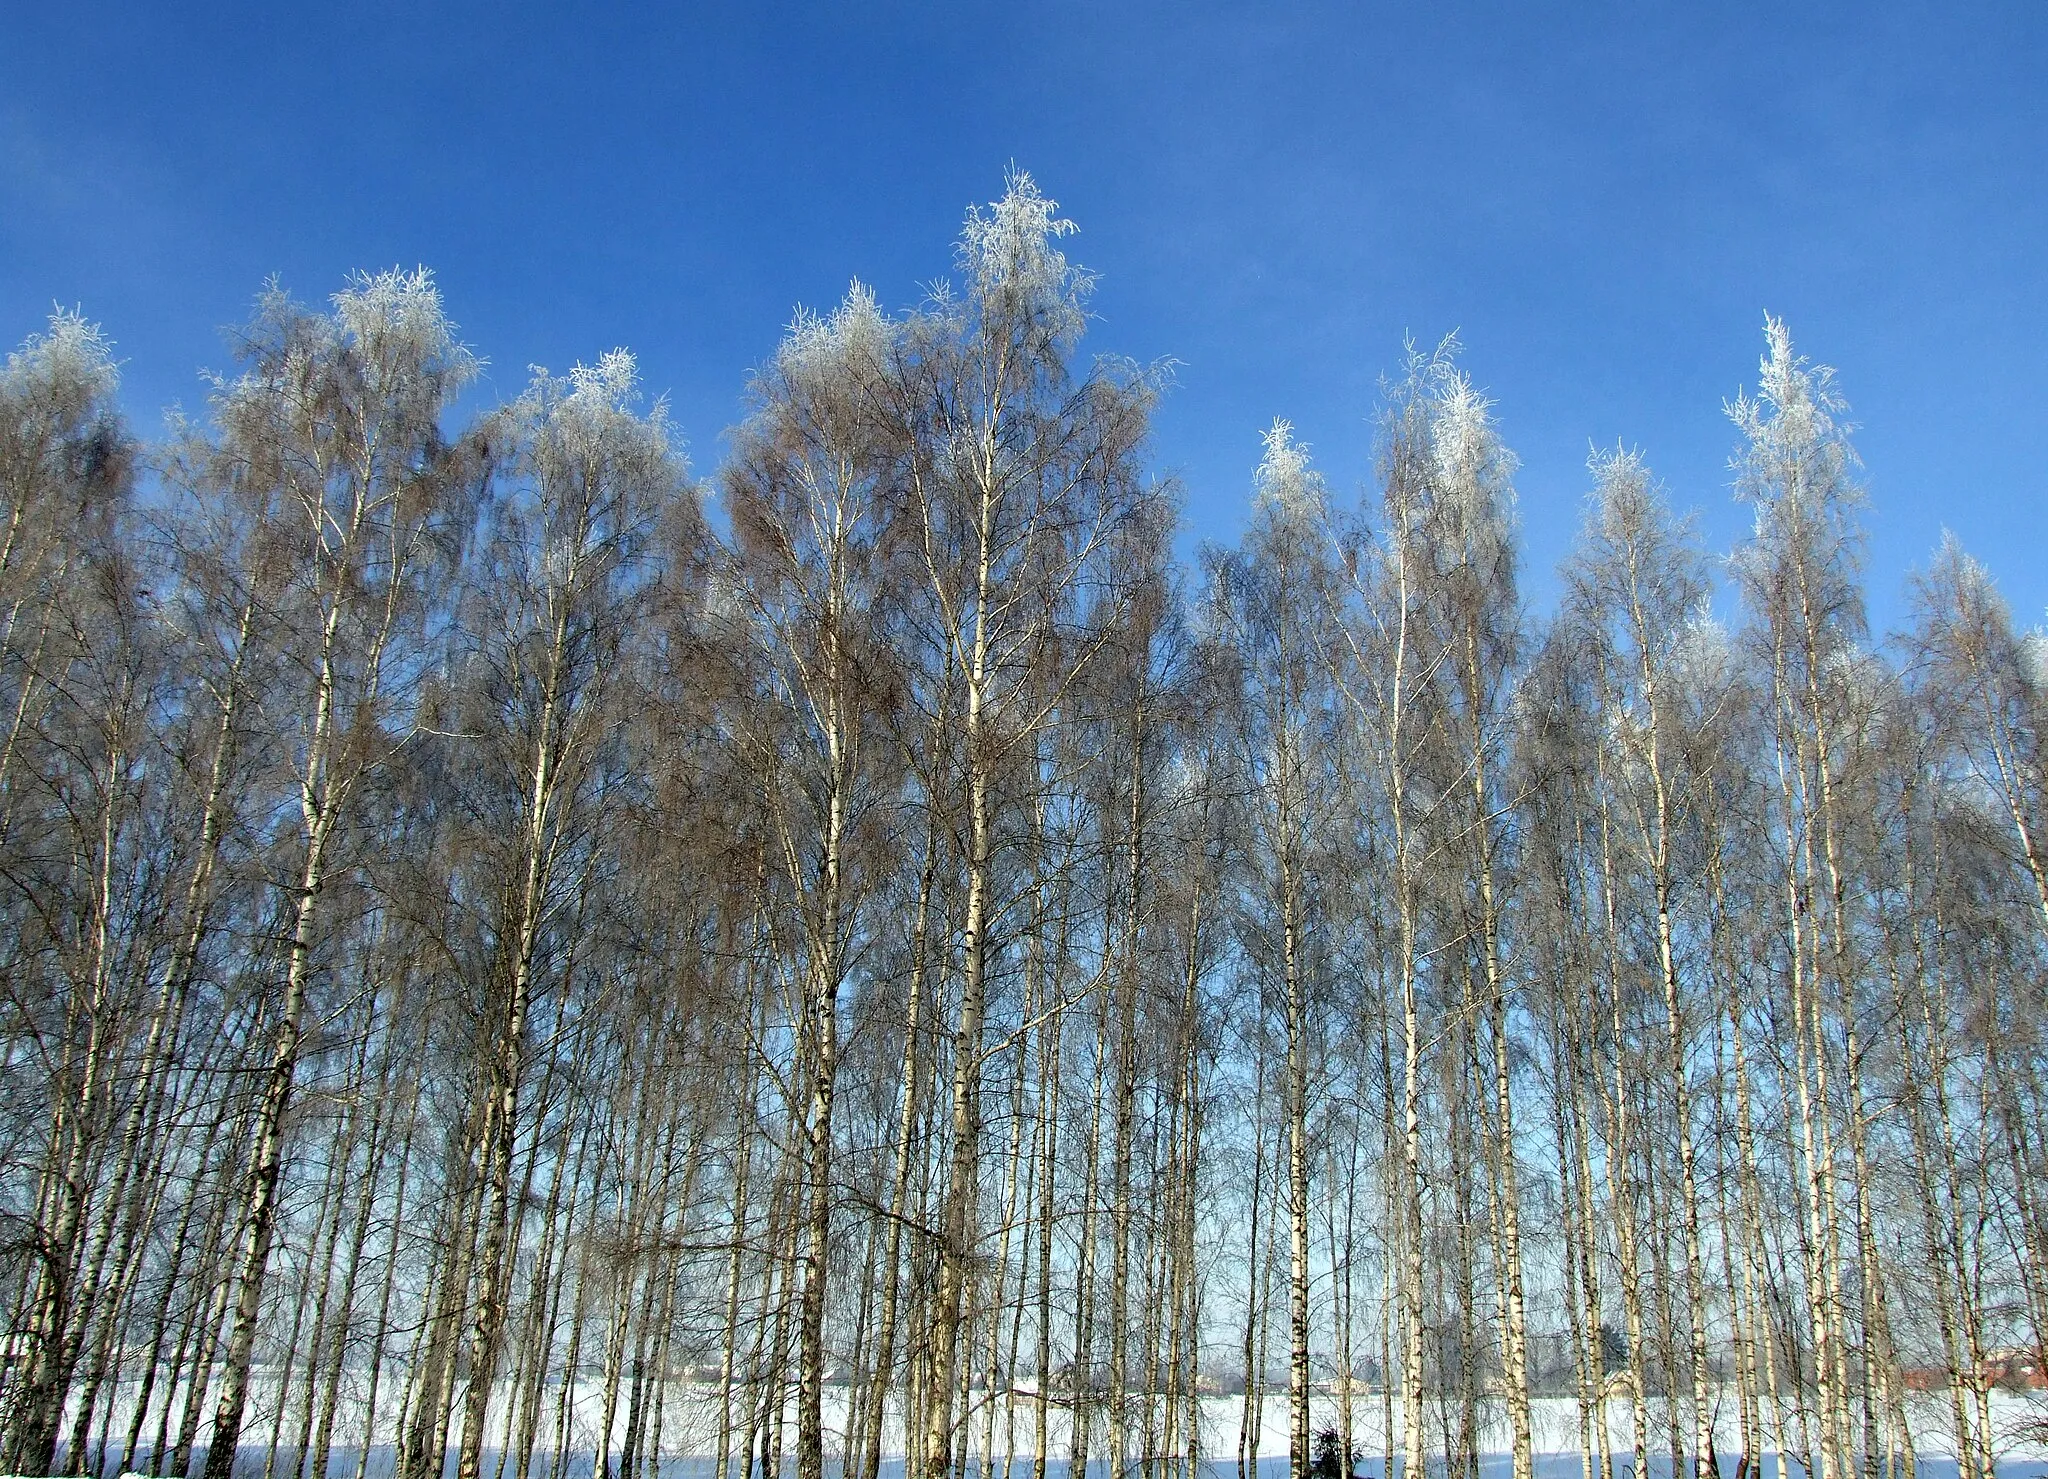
504 971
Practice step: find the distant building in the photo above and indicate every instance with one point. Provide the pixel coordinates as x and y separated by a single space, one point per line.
2012 1368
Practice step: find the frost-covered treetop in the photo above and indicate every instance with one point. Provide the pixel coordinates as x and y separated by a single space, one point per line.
1797 467
59 428
1285 484
1007 252
65 372
396 318
1466 444
2034 659
593 402
1624 497
1798 453
819 351
611 385
388 343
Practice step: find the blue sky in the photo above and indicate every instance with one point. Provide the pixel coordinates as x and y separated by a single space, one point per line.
1603 198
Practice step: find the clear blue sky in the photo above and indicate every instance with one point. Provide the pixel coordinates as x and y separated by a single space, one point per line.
1603 198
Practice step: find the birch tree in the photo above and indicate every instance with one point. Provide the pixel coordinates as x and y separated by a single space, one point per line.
1017 472
331 440
75 686
809 489
1274 597
1639 585
552 621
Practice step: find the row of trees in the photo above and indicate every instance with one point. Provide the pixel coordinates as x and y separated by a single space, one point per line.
505 969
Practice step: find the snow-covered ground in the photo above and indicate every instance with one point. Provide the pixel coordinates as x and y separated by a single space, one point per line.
691 1413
